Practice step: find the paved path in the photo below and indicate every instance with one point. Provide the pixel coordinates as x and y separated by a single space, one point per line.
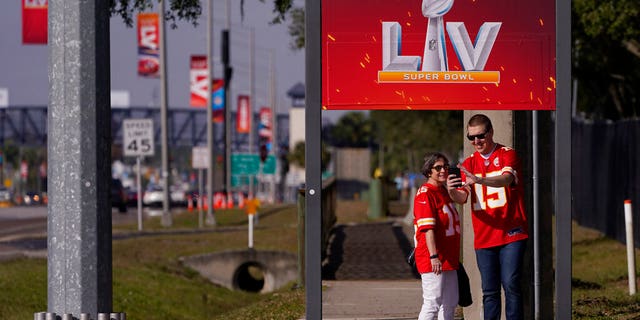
366 276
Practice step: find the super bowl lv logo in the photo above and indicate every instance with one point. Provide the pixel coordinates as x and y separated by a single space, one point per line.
433 66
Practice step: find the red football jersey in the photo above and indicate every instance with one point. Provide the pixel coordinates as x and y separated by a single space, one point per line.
434 209
498 214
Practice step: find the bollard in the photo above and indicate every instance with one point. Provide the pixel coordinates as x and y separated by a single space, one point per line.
631 256
375 199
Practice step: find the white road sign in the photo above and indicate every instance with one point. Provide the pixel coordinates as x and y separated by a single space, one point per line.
138 137
200 158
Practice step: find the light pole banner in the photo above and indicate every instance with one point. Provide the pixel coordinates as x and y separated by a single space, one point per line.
34 21
198 81
438 54
243 114
217 100
148 45
264 127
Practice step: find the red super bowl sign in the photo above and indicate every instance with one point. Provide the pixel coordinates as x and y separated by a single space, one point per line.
438 54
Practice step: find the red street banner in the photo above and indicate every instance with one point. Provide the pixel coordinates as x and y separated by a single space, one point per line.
34 21
243 115
198 81
264 127
217 100
148 45
438 54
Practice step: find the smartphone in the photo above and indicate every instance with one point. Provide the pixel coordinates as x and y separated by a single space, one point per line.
456 171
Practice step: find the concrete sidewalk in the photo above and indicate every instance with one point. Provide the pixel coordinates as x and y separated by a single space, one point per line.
371 299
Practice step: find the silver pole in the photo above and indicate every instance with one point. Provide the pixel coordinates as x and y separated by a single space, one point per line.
227 110
274 117
211 219
563 206
199 199
536 219
79 266
166 213
139 183
252 90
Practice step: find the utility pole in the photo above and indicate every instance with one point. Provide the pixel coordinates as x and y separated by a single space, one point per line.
211 219
252 86
79 267
228 72
167 220
275 147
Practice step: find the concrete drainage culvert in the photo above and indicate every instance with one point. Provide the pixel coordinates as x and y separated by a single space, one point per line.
246 270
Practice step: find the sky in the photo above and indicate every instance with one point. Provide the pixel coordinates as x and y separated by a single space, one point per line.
23 68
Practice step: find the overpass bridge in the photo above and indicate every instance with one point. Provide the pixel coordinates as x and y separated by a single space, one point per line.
27 126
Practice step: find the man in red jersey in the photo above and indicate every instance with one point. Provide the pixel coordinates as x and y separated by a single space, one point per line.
492 177
437 241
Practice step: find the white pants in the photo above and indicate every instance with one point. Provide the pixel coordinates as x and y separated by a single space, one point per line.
439 295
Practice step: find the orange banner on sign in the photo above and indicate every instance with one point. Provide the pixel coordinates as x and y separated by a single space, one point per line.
439 76
34 21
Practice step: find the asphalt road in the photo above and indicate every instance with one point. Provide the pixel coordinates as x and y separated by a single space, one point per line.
23 229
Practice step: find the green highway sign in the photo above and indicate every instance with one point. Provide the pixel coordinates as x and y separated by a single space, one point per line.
249 164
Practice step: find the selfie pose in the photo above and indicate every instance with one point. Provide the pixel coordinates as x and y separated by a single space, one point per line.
492 177
437 241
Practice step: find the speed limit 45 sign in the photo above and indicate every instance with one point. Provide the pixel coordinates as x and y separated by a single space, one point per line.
138 137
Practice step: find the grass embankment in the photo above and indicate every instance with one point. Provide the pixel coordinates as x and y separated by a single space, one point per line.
600 287
150 283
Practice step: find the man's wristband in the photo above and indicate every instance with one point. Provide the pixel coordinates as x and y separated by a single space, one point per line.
433 256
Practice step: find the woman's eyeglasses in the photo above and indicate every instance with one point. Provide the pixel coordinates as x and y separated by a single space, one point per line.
479 136
440 167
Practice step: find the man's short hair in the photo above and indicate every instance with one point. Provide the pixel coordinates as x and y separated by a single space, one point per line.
480 119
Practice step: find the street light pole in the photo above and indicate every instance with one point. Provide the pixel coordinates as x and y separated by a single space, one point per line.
211 219
166 213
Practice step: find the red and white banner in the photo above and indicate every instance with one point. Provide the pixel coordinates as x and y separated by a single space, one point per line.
264 127
438 54
243 115
24 170
148 45
198 81
34 21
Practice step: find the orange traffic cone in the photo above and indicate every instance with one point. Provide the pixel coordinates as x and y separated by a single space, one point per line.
240 200
205 203
189 203
230 201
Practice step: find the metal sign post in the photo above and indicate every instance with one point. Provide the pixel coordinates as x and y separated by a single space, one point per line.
200 160
137 139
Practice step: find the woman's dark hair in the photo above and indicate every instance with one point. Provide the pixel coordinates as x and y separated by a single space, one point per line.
429 160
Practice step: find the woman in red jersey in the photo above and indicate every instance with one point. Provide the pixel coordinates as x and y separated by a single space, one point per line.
437 241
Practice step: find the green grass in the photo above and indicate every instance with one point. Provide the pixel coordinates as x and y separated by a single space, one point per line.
150 283
600 288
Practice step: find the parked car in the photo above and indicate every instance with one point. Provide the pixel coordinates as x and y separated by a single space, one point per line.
5 196
154 196
118 196
132 196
